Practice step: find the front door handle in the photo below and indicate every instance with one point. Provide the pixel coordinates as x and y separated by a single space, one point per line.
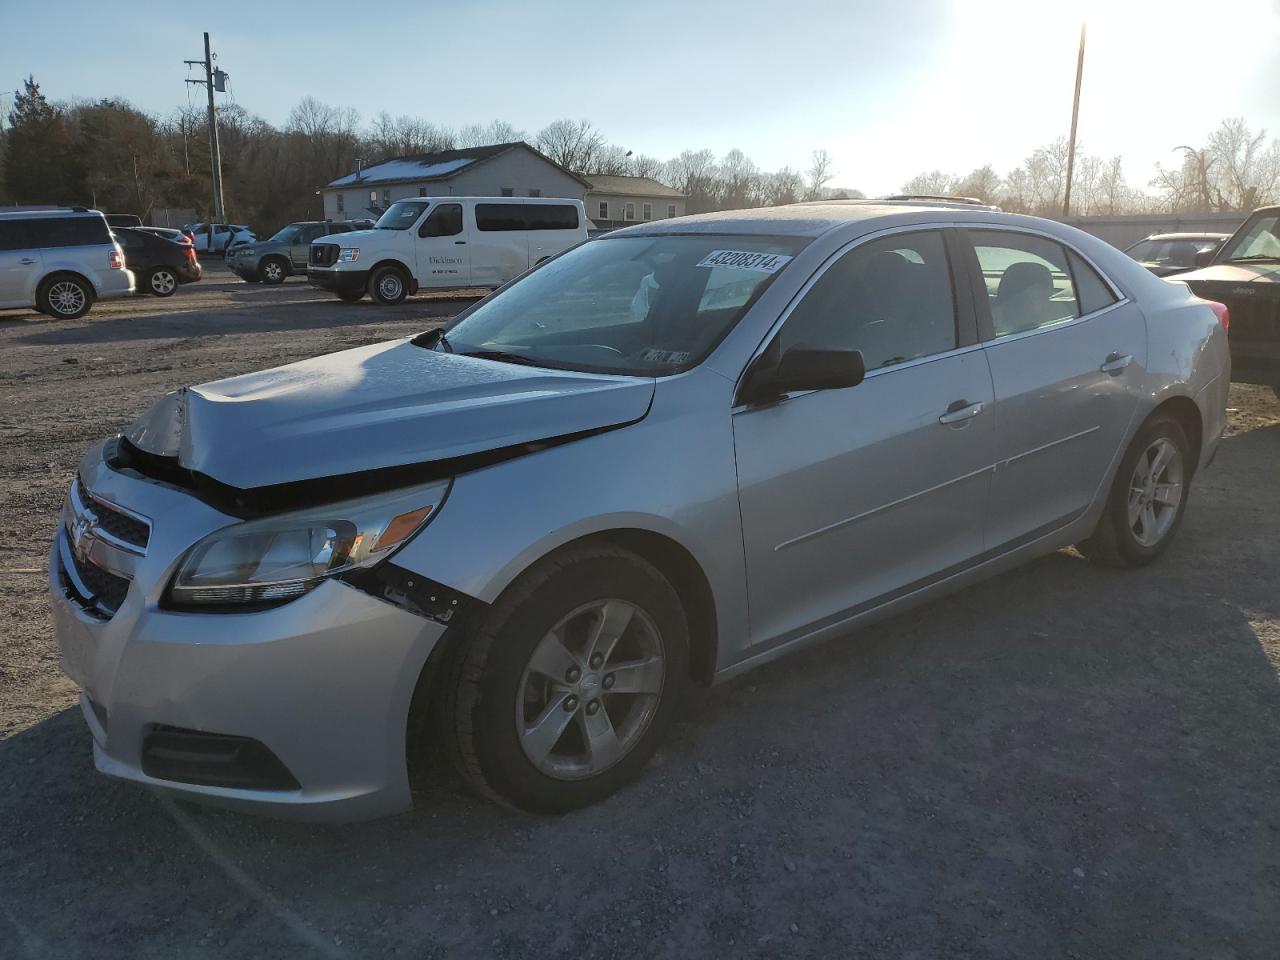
459 242
960 411
27 261
1115 363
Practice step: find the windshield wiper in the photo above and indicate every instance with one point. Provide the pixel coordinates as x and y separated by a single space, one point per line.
431 338
501 356
1256 258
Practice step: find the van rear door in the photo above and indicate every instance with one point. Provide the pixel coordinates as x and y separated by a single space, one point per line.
443 247
500 243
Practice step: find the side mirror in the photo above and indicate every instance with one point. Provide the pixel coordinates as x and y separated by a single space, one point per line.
803 368
1204 257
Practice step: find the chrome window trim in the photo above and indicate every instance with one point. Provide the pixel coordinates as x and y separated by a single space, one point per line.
1121 298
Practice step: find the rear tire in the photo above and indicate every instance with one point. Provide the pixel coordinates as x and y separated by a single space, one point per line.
273 270
388 286
162 282
1145 506
509 679
64 296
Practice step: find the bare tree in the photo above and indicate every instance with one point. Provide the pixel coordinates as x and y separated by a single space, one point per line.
935 183
611 160
643 165
483 135
572 144
820 173
405 136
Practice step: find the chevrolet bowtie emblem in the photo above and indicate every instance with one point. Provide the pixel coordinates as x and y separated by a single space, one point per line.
82 537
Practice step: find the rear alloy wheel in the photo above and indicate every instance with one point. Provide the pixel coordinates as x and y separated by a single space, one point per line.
273 270
1147 499
388 286
65 297
162 282
563 694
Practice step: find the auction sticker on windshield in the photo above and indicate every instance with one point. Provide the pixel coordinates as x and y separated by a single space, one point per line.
745 260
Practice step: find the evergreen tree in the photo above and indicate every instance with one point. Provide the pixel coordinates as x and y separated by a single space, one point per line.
40 165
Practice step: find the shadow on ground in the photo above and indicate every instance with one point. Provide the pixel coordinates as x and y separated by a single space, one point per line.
1065 761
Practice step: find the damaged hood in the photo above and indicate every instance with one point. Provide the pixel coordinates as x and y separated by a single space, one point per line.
386 405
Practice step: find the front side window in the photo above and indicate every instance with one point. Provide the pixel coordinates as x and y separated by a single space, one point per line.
443 221
13 235
891 299
401 215
1027 281
1258 241
643 306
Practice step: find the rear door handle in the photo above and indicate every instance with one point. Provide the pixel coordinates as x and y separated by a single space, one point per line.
960 411
1115 363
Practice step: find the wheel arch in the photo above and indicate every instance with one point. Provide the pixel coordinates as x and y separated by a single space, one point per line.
54 275
1188 415
392 262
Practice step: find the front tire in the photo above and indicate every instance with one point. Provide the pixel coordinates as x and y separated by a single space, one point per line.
162 282
273 270
64 297
351 296
562 694
388 286
1147 499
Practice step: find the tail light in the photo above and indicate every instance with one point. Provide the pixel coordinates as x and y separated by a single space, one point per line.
115 261
190 252
1223 314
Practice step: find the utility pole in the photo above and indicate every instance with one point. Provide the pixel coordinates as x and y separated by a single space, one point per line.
213 79
1075 115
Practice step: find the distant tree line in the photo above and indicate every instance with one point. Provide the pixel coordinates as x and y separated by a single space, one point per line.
112 156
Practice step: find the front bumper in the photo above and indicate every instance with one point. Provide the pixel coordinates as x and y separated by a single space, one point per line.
339 281
324 682
246 268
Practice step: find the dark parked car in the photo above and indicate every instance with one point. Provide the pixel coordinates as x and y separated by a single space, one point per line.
123 220
285 254
1245 275
160 264
1166 254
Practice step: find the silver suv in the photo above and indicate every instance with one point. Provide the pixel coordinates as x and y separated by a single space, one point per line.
285 253
59 261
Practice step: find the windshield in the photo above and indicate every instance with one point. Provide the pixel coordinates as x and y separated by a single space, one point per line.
286 234
1170 253
1259 240
644 306
401 215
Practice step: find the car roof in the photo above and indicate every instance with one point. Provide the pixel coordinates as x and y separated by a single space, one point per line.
1187 236
815 218
58 212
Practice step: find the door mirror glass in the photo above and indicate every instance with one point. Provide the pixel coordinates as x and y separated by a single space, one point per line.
1204 257
802 368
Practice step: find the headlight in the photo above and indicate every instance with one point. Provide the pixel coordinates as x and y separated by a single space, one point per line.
278 558
349 254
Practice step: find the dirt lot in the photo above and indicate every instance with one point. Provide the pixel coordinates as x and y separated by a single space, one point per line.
1066 762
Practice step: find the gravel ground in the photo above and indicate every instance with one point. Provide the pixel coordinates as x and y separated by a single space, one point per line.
1065 762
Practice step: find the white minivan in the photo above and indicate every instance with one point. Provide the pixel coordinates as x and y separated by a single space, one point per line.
444 242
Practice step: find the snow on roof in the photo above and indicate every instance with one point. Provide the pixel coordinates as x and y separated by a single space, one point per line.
407 169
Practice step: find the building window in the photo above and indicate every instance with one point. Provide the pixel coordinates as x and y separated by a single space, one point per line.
629 212
535 192
341 204
422 191
508 192
604 210
373 198
646 211
671 209
386 197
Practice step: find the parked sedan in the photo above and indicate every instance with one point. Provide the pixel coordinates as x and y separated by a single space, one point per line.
161 265
672 454
1168 254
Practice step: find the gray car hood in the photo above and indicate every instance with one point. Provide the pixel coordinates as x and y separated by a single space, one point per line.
386 405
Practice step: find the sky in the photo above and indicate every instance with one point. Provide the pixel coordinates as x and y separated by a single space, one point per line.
889 89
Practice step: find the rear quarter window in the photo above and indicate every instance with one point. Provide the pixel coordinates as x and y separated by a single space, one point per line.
68 231
540 216
13 235
1093 294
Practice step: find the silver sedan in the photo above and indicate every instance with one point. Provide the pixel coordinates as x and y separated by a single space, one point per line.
660 459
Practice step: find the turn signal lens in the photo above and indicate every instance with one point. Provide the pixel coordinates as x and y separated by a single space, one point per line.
1224 315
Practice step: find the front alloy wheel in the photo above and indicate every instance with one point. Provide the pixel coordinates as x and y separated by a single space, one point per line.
563 691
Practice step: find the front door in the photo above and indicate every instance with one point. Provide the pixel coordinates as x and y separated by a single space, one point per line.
442 250
20 265
852 497
1067 361
300 248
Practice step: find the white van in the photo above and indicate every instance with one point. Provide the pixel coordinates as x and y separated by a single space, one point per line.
428 242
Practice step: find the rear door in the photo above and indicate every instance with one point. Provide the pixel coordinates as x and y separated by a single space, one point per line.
500 243
442 249
553 227
300 248
1067 356
853 497
20 265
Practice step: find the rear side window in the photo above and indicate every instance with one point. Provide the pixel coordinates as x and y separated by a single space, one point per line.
1091 292
13 235
520 216
130 241
500 216
546 216
68 231
890 299
444 221
1027 281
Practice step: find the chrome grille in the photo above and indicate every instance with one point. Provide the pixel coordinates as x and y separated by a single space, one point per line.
323 254
97 544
